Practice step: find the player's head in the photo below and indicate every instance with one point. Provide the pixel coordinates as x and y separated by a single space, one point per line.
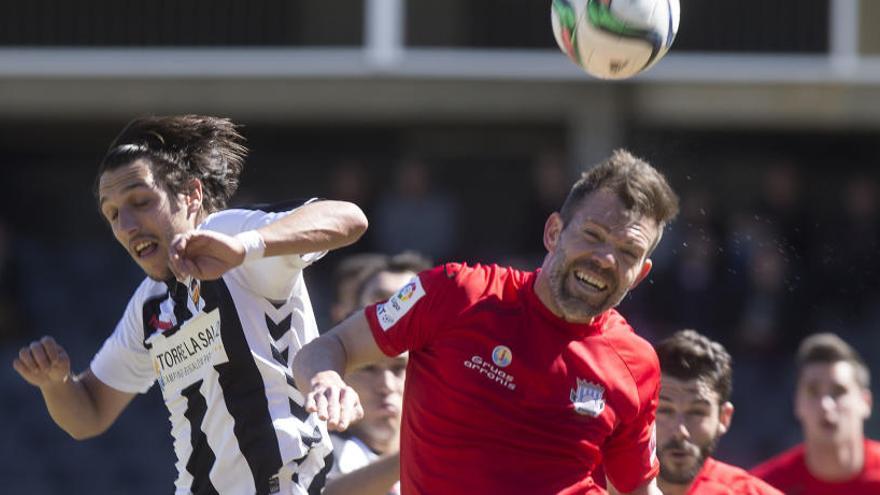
694 409
833 397
600 240
161 176
380 388
348 278
384 281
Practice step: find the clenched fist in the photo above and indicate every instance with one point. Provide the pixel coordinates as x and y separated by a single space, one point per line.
43 363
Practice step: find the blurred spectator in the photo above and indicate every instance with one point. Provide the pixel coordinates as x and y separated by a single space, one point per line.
348 277
414 215
384 281
549 187
10 318
848 266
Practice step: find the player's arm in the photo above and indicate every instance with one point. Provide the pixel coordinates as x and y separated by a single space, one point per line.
314 227
82 405
649 488
376 478
318 369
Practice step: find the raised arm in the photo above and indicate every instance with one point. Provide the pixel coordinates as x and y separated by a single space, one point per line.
82 405
318 369
314 227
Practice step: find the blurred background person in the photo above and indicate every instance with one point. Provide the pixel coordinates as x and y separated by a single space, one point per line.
415 214
693 414
832 401
367 459
348 277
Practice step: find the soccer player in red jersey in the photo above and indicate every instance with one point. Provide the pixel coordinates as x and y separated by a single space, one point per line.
521 382
832 402
694 412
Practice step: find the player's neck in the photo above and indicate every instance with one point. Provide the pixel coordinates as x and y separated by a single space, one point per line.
835 461
672 488
542 290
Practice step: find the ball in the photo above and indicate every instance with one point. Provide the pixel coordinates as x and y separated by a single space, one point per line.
614 39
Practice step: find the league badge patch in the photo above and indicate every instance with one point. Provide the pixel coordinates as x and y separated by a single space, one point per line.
392 310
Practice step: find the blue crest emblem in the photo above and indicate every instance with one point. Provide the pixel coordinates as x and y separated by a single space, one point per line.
588 398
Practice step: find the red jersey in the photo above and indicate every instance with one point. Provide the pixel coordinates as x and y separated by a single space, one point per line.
718 478
502 396
788 472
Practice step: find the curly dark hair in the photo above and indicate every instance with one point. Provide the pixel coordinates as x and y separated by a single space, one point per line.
688 355
180 148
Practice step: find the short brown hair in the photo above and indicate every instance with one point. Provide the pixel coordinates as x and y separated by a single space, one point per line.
828 348
180 148
689 355
641 188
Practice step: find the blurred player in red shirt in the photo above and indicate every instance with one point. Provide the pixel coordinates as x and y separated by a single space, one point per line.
521 382
832 402
694 412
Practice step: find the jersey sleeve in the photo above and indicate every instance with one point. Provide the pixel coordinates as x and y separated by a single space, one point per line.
272 277
411 318
123 362
630 454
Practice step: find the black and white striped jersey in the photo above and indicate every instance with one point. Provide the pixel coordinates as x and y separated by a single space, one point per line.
221 352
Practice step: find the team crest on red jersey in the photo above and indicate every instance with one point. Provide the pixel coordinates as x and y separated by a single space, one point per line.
588 398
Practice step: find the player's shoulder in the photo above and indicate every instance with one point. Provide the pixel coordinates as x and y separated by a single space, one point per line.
233 220
780 466
737 479
872 453
148 289
637 353
479 279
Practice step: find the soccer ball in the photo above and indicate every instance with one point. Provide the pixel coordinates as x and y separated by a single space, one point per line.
614 39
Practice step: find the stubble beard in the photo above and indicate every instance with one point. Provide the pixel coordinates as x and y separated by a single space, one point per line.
687 475
572 306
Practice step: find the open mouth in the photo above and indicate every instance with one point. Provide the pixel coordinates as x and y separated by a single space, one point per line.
143 249
591 281
678 456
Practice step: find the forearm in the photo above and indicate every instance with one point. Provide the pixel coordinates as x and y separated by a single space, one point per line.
72 407
325 354
315 227
376 478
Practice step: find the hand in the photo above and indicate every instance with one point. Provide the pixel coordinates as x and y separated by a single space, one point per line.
204 254
43 363
334 401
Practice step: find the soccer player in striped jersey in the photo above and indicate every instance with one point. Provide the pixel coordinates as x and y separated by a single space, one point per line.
521 382
218 319
694 412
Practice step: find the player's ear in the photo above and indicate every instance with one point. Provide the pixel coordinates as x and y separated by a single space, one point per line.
725 416
869 400
194 195
552 231
646 269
